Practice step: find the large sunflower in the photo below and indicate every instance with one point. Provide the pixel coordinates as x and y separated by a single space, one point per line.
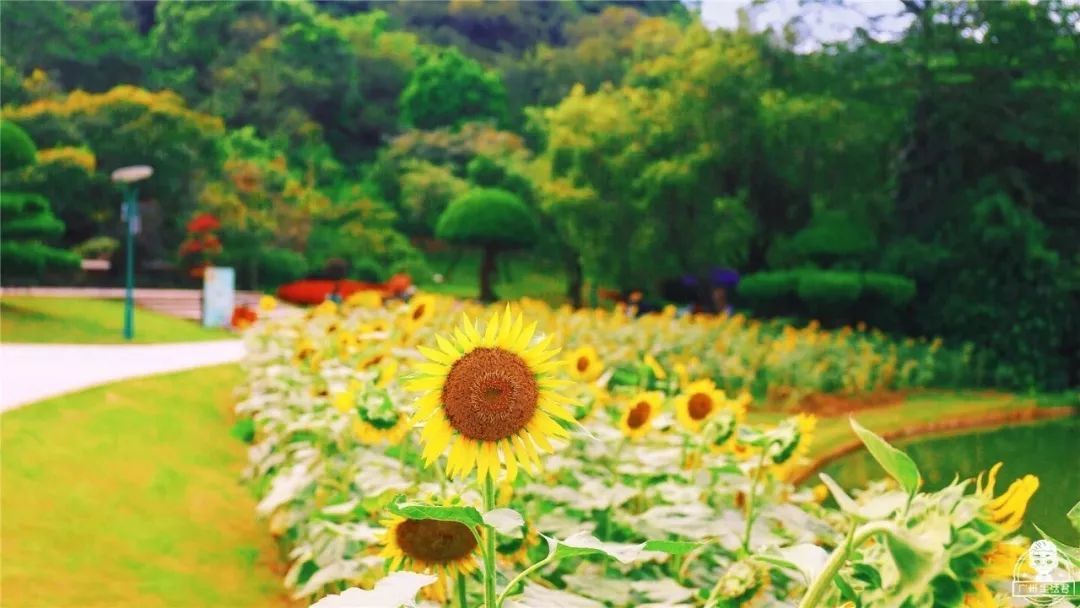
639 413
584 364
444 548
490 398
698 403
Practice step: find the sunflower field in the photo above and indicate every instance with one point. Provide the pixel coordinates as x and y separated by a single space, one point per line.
443 453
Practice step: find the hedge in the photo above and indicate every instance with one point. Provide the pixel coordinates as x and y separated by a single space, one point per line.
832 296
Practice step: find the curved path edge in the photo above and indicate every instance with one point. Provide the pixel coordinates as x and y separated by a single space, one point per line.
32 372
930 429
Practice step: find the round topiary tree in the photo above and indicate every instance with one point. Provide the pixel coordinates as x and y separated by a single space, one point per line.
493 220
17 150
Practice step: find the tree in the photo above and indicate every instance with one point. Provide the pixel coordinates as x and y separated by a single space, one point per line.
126 126
491 219
449 89
28 222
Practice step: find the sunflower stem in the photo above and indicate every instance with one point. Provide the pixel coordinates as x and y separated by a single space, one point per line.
753 495
489 545
524 573
459 586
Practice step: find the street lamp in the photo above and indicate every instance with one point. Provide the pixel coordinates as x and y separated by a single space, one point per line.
129 212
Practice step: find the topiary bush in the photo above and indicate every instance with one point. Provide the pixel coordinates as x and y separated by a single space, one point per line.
834 297
493 220
17 150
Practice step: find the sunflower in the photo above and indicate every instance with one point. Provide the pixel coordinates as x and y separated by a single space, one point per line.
267 303
364 298
584 364
1008 509
380 426
638 416
697 403
490 398
444 548
421 309
654 365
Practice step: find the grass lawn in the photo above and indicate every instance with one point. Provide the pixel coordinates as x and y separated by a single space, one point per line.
518 276
86 321
127 495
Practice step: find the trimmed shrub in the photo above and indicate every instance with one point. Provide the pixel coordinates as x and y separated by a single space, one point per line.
891 288
488 217
829 292
17 150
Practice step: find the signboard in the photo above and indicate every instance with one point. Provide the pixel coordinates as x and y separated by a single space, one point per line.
219 296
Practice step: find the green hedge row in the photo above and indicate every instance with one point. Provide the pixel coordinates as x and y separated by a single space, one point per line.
834 297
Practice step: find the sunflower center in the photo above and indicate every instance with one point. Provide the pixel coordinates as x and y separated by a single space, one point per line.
699 407
436 542
582 364
490 394
639 415
418 312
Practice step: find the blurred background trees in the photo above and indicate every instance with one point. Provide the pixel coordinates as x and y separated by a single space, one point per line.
924 179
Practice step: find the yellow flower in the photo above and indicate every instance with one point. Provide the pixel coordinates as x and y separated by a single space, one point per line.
584 364
490 398
365 298
387 372
1001 560
638 416
267 303
380 426
980 598
654 365
326 309
421 310
1008 509
697 403
444 548
345 401
820 493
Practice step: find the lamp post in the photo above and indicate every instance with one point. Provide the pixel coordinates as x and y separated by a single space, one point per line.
129 212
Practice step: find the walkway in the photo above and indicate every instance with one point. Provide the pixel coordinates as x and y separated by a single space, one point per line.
182 303
30 372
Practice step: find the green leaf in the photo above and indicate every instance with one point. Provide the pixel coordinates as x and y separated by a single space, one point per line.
867 574
915 566
584 543
417 510
671 547
1071 553
1074 516
896 463
505 521
806 559
847 593
843 500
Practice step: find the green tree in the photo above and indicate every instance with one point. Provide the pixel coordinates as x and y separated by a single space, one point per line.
493 220
449 89
28 223
126 126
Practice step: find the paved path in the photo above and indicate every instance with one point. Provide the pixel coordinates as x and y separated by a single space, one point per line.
30 372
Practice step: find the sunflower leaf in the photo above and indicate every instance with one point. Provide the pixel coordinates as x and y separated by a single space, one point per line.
584 543
896 463
505 521
418 510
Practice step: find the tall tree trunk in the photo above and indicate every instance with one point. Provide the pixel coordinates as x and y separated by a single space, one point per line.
487 269
575 278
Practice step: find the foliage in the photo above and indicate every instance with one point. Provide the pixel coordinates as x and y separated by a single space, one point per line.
449 89
17 150
488 217
99 247
127 126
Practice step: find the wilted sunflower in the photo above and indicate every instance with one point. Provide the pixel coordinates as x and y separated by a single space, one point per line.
639 413
490 398
444 548
584 364
698 403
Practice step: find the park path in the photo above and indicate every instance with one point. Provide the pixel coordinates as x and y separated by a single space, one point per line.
31 372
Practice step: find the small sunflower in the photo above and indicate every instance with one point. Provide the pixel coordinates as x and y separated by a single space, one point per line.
267 303
444 548
421 309
376 419
490 399
698 403
638 416
584 364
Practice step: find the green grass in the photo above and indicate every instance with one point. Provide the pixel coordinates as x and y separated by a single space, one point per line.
127 495
85 321
518 276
